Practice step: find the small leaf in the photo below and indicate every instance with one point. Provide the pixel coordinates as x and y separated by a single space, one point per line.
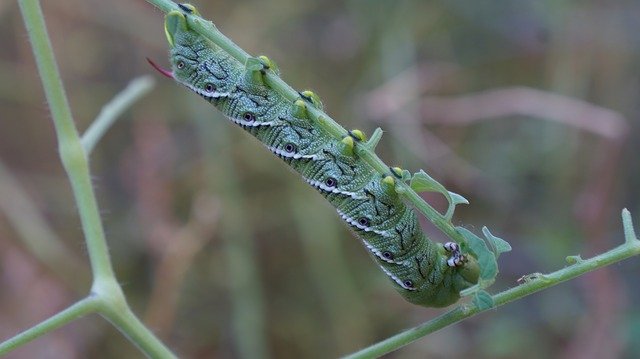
574 259
483 300
627 224
374 139
499 245
457 199
454 200
254 64
422 182
486 258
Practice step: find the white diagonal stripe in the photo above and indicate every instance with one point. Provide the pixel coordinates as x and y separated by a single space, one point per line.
378 253
324 187
396 279
201 92
295 156
354 223
251 123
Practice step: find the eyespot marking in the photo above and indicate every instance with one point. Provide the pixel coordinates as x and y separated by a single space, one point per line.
400 282
331 182
378 253
290 147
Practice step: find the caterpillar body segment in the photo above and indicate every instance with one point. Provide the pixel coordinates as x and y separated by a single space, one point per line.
422 271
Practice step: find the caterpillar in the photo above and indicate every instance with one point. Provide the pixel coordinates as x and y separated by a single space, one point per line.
422 271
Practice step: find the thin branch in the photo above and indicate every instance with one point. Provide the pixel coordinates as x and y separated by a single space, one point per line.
533 283
77 310
524 101
137 88
72 153
105 289
131 327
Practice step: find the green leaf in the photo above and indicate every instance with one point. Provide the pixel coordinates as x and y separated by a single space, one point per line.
499 245
454 200
574 259
254 64
406 175
486 258
457 199
483 300
627 224
422 182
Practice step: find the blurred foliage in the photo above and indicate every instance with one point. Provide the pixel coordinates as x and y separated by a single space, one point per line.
168 181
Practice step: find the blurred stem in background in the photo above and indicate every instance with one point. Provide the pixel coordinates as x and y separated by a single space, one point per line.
329 268
243 280
36 234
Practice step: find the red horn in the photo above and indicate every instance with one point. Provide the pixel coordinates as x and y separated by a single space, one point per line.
166 73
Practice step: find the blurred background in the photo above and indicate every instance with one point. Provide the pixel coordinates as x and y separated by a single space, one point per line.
527 108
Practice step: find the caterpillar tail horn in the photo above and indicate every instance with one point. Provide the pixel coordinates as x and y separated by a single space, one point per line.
164 72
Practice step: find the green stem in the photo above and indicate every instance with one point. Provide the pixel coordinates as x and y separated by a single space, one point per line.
107 297
130 326
537 283
72 153
111 111
208 30
77 310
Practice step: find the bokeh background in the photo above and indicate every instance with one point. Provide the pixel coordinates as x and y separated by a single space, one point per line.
527 108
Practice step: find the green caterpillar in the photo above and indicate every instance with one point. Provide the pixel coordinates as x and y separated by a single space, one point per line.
423 272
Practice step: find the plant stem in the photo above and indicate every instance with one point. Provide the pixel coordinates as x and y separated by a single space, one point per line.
72 153
209 31
107 297
131 327
537 282
111 111
77 310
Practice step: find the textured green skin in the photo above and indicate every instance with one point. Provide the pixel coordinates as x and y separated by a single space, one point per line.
392 227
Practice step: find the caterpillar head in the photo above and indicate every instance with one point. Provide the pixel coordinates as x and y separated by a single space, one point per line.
196 62
449 281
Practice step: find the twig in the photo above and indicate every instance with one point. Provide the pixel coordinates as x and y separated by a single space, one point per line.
533 284
105 289
71 152
75 311
137 88
524 101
